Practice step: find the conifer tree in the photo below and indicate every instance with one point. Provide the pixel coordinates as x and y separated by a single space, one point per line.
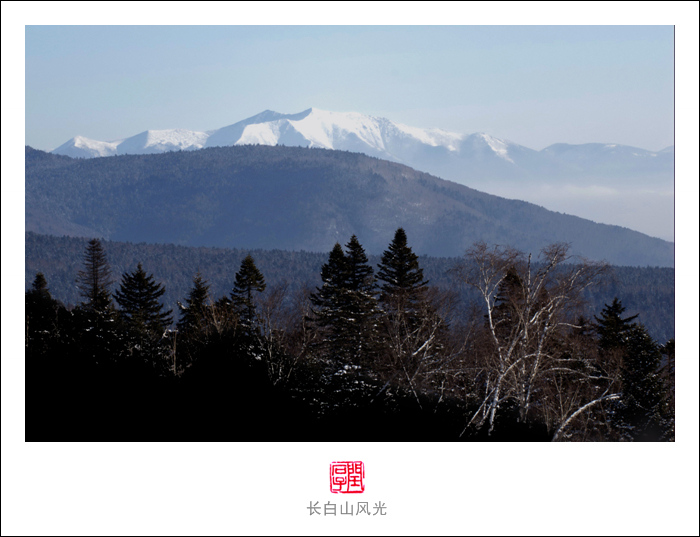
345 307
401 277
248 280
645 409
138 297
411 329
329 301
613 329
40 286
507 303
43 316
95 318
360 274
361 313
96 278
668 377
194 309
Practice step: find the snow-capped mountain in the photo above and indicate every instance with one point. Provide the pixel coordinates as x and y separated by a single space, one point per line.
347 131
81 147
147 142
455 156
604 182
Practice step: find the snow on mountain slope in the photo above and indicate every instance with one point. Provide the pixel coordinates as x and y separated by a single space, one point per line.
432 137
81 147
497 146
421 148
349 131
231 135
330 129
152 141
260 133
552 177
160 141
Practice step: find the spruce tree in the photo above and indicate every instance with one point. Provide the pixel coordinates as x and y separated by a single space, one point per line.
43 317
613 329
345 307
95 318
248 280
193 311
411 329
509 298
402 283
138 297
96 278
361 313
328 302
668 376
40 286
645 408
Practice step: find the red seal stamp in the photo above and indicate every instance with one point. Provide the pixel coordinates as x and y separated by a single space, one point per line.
347 477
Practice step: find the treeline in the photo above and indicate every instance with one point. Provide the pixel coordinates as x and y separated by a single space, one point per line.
646 291
364 355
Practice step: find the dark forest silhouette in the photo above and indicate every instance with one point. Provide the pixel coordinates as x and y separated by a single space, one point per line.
365 355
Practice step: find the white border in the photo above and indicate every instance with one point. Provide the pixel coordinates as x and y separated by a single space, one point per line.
264 488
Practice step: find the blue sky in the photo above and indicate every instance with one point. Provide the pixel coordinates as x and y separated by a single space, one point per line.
534 85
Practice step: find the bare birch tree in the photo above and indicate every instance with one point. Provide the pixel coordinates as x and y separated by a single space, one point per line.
415 354
285 331
527 306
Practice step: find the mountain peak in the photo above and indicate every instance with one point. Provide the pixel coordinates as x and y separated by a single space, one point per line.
313 127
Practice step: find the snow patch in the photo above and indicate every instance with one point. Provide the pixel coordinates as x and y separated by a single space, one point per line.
497 146
331 129
85 147
433 137
179 138
260 133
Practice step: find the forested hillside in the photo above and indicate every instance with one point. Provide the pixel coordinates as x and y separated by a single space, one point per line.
374 342
260 197
318 318
646 291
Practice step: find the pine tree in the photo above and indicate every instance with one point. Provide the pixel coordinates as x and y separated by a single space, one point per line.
613 329
95 280
137 297
194 309
248 279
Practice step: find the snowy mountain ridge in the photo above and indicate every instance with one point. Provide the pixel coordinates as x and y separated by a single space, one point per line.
430 149
349 131
604 182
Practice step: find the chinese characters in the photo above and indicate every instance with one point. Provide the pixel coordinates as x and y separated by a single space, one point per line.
349 509
347 477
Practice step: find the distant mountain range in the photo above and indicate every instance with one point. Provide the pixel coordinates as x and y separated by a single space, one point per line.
422 149
295 198
604 182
